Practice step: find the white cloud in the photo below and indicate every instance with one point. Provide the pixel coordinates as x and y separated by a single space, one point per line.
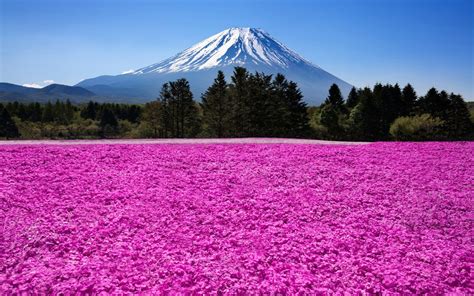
32 85
48 82
128 71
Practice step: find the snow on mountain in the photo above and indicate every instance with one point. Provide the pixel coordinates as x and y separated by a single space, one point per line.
234 46
251 48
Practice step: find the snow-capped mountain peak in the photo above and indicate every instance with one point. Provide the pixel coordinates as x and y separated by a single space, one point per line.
234 46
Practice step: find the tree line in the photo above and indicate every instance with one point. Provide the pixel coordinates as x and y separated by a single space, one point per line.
250 105
387 112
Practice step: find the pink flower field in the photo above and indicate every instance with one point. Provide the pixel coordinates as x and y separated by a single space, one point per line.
395 218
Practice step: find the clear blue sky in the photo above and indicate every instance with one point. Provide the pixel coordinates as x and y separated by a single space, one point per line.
425 42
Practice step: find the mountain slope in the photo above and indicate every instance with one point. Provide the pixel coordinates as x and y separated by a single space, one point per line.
13 92
251 48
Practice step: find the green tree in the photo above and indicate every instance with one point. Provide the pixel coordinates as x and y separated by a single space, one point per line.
180 116
152 118
408 100
108 123
239 98
35 112
434 103
8 128
330 119
363 119
352 99
216 107
335 98
332 111
458 122
415 128
90 111
48 113
296 120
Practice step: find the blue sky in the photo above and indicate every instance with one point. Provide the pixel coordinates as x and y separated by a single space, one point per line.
425 42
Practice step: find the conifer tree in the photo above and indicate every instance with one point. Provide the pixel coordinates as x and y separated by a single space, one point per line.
458 118
8 128
90 111
216 107
435 103
108 122
180 116
239 97
48 113
152 116
363 119
332 110
35 112
408 99
297 120
335 98
352 99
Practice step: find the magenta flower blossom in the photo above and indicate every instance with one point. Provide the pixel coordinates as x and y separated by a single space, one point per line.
395 218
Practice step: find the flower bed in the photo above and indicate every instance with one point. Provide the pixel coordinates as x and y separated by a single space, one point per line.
237 218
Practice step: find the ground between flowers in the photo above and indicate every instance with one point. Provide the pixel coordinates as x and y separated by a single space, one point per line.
237 218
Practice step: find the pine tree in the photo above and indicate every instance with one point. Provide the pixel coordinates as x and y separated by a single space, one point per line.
68 112
329 117
297 120
216 107
59 112
363 119
108 122
332 110
35 112
180 116
408 100
458 118
152 116
90 111
239 98
435 103
8 128
352 99
335 98
48 113
261 106
22 112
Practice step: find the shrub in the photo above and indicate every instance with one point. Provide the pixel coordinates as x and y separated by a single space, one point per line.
414 128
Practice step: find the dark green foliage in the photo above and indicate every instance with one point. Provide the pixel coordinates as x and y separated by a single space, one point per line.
332 112
257 106
363 118
240 101
48 113
35 112
330 119
434 103
151 120
352 98
296 119
335 98
216 107
90 111
408 100
8 128
458 123
108 123
180 117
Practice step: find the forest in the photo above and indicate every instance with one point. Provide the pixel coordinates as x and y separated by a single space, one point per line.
251 105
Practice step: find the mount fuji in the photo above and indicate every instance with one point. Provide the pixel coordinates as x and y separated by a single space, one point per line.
251 48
